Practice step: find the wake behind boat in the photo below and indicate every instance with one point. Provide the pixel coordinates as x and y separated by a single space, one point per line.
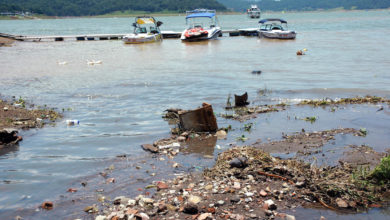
202 25
146 30
275 28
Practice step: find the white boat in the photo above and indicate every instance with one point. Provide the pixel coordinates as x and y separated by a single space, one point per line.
202 25
253 12
146 30
275 28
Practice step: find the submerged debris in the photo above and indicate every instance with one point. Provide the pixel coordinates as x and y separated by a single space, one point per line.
356 100
241 100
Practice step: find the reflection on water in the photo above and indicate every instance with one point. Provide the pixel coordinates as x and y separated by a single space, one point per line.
202 145
120 102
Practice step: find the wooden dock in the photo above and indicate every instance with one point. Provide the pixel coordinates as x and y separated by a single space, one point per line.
95 37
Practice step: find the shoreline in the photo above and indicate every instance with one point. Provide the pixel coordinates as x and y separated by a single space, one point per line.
161 14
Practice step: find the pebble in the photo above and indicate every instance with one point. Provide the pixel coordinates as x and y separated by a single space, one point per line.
194 199
263 193
205 216
235 199
220 203
270 205
131 202
341 203
208 187
237 185
190 209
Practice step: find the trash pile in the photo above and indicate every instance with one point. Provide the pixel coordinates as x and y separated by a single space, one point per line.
247 183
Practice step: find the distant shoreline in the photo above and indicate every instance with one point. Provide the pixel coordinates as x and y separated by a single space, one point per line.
159 14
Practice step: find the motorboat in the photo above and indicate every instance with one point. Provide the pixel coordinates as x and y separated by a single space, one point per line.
253 11
202 25
146 30
275 28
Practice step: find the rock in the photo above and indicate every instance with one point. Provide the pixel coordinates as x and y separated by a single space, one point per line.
9 137
341 203
237 185
131 202
300 184
162 207
47 205
221 134
191 209
194 199
161 185
148 201
270 205
205 216
143 216
249 194
121 200
172 208
220 203
235 199
90 209
239 162
208 187
101 217
181 139
263 193
149 147
285 216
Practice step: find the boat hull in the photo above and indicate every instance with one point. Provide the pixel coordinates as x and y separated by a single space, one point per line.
212 34
286 35
141 38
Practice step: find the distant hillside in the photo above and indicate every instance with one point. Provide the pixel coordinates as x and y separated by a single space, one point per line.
305 5
98 7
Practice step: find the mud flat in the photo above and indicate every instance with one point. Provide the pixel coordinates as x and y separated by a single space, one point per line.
14 116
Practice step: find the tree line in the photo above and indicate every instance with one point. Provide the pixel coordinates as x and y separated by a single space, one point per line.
305 5
99 7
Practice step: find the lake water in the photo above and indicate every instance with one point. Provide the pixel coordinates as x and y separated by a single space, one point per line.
120 102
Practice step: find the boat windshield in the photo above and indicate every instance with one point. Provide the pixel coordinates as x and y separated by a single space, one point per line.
146 25
273 26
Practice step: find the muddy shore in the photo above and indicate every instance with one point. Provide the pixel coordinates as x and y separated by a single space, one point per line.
246 182
5 41
16 115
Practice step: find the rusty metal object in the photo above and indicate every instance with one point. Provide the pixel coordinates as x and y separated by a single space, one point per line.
241 100
199 120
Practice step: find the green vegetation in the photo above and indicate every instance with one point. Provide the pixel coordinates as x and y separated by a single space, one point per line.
306 5
101 7
311 119
381 173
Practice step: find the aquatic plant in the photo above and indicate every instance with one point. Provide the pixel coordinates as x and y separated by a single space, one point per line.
242 138
248 127
311 119
381 173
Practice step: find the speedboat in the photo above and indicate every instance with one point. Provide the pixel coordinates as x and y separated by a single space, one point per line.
146 30
202 25
275 28
253 12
